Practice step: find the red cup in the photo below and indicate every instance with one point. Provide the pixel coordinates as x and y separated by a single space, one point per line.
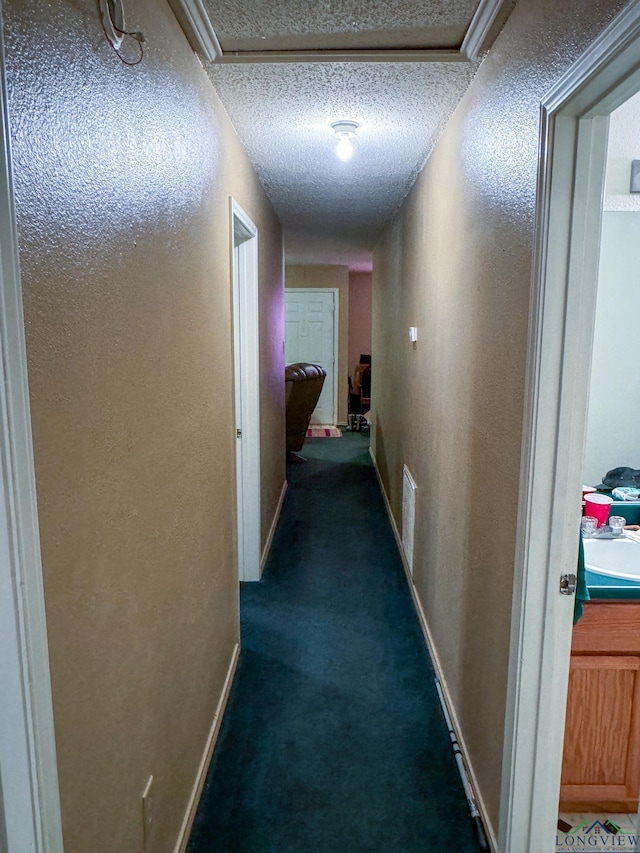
598 506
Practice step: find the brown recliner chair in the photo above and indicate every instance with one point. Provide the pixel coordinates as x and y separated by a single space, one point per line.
303 385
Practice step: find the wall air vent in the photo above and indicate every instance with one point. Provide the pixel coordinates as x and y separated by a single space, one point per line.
408 515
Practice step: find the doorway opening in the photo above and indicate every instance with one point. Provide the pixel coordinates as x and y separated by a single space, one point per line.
311 335
244 267
601 759
573 149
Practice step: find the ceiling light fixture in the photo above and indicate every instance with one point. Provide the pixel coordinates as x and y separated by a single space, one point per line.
345 131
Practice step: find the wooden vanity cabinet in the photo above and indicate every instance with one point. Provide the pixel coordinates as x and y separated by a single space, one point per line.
601 761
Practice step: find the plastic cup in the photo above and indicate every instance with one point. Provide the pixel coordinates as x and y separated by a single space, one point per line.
598 506
589 525
588 490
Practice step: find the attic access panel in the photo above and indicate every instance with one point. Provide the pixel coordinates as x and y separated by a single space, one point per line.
348 25
225 31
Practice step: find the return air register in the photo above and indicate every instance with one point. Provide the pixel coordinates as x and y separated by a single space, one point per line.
408 515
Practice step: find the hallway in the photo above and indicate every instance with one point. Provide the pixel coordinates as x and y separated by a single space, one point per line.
126 159
333 738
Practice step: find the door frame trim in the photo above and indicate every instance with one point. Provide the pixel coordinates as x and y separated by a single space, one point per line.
336 335
246 349
572 163
30 818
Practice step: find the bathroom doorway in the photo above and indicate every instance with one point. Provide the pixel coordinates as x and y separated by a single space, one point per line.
574 128
601 758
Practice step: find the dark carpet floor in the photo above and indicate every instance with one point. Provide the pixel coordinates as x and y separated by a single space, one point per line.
333 739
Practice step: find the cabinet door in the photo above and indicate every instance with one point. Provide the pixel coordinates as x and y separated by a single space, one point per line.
601 760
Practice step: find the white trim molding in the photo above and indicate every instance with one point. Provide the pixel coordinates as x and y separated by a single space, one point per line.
355 55
479 28
29 799
197 26
205 761
572 163
272 529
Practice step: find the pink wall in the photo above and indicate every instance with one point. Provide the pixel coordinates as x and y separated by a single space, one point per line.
359 316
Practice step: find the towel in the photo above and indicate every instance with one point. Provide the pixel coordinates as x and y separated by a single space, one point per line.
625 493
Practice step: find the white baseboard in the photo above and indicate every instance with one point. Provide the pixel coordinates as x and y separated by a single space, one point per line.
274 524
455 722
387 504
205 761
437 665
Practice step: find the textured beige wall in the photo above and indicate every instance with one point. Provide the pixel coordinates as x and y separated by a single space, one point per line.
360 294
123 177
456 262
337 277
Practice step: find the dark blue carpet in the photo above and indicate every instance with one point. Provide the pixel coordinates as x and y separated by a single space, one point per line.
333 739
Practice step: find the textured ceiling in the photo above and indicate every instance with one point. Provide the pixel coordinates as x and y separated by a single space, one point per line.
334 212
291 24
283 114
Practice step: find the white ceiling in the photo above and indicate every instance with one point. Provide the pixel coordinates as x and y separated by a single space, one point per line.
334 212
283 114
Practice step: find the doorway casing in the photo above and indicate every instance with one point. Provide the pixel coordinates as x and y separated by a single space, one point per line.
29 798
244 267
573 150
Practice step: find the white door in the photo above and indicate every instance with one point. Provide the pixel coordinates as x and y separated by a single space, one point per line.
244 241
310 335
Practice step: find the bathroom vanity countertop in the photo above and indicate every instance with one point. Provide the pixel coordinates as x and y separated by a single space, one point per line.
602 586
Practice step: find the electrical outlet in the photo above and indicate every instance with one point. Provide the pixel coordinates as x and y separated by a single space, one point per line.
147 810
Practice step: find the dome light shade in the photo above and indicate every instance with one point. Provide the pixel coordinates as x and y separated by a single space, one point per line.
345 131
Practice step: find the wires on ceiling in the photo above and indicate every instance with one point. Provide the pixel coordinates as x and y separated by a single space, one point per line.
112 15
